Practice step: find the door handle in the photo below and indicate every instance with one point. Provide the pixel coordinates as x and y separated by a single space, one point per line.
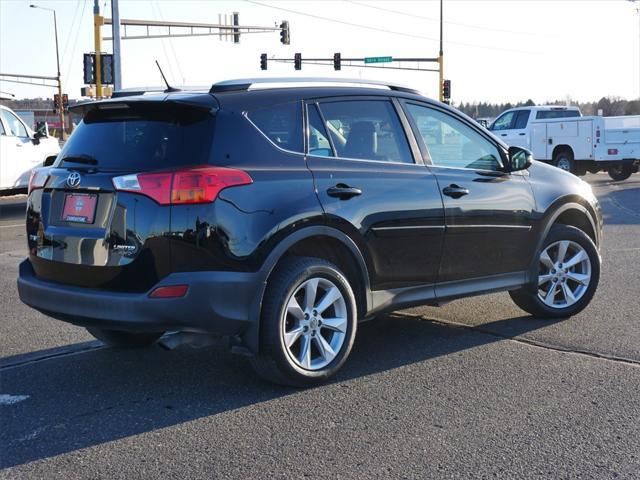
455 191
522 134
343 192
18 145
503 134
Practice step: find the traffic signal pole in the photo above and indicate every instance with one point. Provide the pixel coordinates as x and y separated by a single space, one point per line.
117 56
441 59
98 21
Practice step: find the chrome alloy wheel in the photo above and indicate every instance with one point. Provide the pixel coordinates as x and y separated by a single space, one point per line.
565 273
315 323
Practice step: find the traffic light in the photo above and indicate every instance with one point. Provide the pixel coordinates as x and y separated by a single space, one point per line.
446 89
89 60
65 102
106 69
297 61
285 37
337 61
56 102
263 61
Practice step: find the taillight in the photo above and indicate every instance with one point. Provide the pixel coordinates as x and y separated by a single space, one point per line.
186 186
170 291
38 178
612 151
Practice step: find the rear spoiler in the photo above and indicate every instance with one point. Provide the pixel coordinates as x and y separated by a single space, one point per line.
198 102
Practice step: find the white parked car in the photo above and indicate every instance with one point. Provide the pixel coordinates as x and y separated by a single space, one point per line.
563 137
21 150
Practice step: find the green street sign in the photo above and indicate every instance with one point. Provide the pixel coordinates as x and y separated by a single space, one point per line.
378 59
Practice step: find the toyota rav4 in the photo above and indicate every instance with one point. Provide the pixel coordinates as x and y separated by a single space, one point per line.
277 215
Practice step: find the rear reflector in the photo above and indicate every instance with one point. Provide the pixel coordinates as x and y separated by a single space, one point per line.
38 178
612 151
171 291
186 186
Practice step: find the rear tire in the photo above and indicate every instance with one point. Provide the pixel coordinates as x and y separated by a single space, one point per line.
620 172
308 323
564 161
119 338
558 271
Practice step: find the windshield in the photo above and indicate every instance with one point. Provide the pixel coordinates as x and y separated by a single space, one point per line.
140 138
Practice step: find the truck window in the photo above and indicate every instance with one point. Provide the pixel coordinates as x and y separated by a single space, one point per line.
546 114
503 122
16 127
521 119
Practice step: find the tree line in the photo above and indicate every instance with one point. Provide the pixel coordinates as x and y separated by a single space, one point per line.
610 106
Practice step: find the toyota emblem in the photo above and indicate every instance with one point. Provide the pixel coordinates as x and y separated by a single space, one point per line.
73 180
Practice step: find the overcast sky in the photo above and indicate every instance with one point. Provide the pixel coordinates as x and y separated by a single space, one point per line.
495 51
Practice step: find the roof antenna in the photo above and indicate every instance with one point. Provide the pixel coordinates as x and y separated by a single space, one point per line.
169 87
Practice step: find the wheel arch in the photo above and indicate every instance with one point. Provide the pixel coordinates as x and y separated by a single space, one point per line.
319 241
566 211
562 148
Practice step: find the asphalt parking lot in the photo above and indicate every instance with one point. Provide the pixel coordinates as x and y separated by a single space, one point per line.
473 389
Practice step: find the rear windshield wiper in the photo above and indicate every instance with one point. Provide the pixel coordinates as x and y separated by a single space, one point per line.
80 158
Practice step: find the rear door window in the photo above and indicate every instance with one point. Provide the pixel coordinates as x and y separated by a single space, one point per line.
140 138
521 119
367 130
282 124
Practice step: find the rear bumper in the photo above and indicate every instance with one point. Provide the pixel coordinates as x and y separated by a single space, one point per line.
216 302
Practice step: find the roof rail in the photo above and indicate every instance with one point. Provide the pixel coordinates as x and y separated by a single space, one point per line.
249 83
134 91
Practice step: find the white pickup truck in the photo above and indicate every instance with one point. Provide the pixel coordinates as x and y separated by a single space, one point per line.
21 149
563 137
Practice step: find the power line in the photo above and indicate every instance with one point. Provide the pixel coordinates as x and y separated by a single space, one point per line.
171 45
75 42
70 34
383 30
458 24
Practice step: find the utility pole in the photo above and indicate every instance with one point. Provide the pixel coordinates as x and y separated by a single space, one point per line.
441 61
115 32
98 21
59 77
637 5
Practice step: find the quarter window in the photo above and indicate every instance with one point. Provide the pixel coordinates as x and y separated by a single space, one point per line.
282 124
367 130
451 143
16 127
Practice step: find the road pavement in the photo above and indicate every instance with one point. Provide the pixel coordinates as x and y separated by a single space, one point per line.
473 389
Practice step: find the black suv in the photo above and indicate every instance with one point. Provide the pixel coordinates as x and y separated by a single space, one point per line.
279 215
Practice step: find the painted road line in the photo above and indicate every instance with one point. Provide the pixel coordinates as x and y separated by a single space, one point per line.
11 399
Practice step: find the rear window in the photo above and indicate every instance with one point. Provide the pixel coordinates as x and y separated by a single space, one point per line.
282 124
545 114
140 138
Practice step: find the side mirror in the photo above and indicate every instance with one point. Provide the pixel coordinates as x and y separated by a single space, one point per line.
519 159
42 130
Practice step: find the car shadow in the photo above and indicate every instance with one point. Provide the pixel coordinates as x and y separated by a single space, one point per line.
105 394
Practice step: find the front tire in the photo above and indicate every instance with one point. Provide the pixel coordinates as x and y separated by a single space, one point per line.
308 323
568 275
620 172
119 338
